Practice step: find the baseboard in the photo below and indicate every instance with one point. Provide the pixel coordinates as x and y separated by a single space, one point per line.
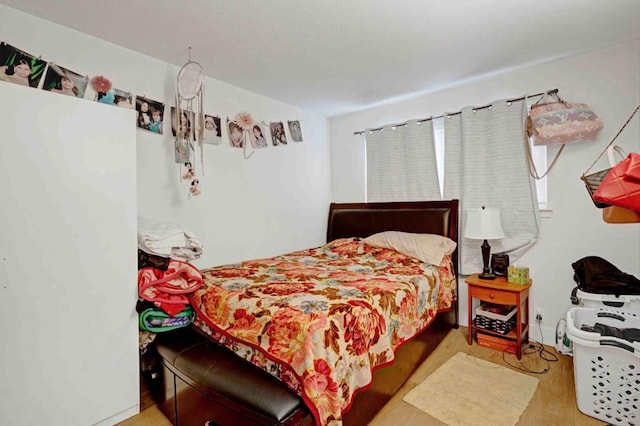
119 417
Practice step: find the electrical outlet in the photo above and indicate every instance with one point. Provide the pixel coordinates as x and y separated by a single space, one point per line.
539 313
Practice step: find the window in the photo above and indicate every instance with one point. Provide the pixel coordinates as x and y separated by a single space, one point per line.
438 138
539 154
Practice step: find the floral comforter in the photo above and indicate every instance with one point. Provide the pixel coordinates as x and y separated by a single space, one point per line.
321 320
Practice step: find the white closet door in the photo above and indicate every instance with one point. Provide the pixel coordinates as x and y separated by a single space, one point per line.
68 265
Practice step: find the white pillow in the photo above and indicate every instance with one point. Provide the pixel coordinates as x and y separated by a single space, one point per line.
429 248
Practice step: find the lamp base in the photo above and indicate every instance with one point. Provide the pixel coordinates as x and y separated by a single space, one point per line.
486 272
486 276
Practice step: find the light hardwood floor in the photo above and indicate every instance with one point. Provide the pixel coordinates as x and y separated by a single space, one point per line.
554 402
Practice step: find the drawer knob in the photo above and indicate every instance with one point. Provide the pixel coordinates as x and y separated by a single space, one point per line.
492 295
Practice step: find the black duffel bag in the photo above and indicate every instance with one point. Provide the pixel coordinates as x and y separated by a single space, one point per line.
594 274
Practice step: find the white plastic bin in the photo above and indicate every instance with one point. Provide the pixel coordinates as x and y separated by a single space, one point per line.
626 304
606 368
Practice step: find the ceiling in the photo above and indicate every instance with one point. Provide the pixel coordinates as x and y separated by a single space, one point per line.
334 57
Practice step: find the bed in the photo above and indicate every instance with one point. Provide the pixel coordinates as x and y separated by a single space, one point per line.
344 366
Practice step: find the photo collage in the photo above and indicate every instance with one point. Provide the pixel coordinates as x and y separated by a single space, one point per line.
20 67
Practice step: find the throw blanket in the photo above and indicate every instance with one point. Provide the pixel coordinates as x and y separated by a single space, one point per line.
169 289
322 319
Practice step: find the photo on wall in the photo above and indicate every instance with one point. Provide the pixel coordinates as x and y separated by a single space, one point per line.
278 136
117 97
295 131
257 136
19 67
212 131
65 82
150 114
186 120
182 149
236 135
183 144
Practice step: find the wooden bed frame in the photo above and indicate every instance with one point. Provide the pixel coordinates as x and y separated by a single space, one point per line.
345 220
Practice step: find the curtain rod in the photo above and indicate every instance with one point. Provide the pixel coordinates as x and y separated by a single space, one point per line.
548 92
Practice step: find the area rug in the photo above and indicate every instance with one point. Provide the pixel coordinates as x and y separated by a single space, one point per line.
467 390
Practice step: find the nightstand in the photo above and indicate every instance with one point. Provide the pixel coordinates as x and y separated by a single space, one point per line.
501 292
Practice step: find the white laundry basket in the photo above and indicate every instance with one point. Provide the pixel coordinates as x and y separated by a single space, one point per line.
626 304
606 368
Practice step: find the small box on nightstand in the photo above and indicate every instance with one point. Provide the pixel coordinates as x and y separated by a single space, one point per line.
518 275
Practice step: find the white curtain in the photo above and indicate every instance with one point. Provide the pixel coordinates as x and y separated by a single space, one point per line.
486 165
401 163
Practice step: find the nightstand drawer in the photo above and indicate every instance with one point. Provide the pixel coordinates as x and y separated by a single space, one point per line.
497 343
493 295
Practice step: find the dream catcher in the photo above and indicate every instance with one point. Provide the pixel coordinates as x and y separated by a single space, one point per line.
189 104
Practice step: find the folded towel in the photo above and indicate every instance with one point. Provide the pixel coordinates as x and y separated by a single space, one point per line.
159 237
156 320
167 240
192 249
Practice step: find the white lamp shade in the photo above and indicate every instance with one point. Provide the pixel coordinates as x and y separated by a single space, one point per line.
484 224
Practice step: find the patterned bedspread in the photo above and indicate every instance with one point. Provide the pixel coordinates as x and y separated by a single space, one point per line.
321 320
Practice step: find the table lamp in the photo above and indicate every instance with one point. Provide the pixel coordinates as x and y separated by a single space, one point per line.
484 224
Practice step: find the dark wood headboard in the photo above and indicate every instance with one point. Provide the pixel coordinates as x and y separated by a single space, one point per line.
364 219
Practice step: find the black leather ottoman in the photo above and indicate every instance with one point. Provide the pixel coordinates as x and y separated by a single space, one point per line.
198 382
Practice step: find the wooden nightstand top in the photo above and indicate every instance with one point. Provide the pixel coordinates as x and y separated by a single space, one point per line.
500 283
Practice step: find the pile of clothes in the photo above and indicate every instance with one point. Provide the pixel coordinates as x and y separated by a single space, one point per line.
165 277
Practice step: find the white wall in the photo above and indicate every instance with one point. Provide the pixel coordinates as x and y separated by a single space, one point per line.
609 81
68 325
275 202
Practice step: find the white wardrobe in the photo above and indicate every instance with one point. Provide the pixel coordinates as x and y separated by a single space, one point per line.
68 260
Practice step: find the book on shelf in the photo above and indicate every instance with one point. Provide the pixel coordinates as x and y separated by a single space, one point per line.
495 311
